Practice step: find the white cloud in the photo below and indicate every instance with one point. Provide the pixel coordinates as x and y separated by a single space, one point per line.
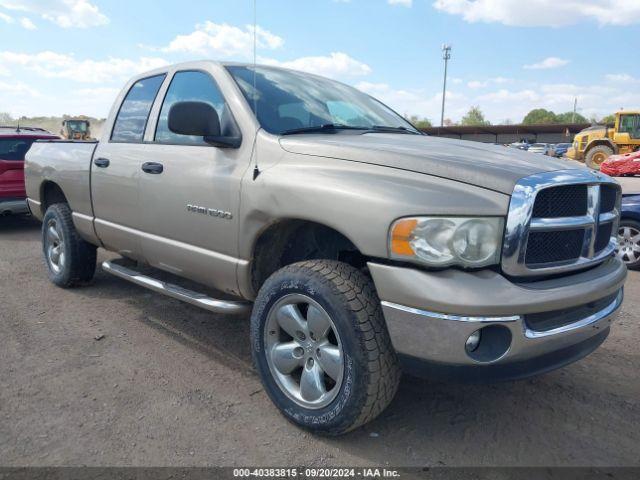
547 63
547 13
223 41
404 3
18 88
28 24
49 64
475 84
334 65
621 77
416 101
6 18
503 103
64 13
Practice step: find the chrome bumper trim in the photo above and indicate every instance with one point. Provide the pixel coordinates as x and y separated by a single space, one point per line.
441 338
585 322
446 316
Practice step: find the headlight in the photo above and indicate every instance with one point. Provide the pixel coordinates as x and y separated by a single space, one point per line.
443 241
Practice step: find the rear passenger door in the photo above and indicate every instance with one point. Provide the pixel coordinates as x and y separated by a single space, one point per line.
116 169
190 202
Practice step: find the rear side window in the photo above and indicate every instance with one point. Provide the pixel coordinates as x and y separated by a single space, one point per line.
14 148
134 111
192 86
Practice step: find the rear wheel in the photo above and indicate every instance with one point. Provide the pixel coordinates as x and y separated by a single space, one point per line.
321 346
70 260
629 243
597 155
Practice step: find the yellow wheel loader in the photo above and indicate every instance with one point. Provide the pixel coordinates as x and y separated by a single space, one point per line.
76 129
595 144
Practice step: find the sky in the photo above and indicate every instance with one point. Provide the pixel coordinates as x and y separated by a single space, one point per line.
508 56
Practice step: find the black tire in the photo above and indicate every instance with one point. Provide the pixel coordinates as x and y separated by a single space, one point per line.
632 258
596 153
371 371
79 257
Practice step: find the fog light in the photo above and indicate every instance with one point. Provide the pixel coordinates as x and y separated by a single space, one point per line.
473 341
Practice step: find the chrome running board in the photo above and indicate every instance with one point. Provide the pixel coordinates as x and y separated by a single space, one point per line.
174 291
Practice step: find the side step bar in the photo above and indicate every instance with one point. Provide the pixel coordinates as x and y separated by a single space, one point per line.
179 293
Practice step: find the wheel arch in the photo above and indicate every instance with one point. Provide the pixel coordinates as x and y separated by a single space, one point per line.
290 240
602 141
50 193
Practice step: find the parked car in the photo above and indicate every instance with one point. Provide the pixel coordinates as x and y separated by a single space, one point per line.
561 149
360 246
543 148
14 144
520 145
629 231
622 165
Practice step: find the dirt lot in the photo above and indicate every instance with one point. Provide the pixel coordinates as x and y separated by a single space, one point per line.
172 385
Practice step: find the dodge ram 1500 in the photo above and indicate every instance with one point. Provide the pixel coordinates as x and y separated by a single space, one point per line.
360 246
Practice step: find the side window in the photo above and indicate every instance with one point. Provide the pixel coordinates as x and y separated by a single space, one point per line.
134 111
190 86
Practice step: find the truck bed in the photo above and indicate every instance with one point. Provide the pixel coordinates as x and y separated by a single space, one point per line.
66 163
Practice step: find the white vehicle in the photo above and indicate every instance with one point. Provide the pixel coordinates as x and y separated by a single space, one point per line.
542 148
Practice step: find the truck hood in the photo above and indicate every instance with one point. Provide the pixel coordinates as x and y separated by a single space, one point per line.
489 166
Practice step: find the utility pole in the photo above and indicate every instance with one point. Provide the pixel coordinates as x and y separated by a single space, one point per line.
446 56
575 107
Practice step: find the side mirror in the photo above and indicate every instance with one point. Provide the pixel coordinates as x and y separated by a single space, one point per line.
201 120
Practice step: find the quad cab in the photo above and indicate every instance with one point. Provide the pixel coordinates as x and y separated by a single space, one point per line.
359 247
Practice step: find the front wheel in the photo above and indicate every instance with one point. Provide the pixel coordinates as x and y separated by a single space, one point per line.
321 346
597 155
629 243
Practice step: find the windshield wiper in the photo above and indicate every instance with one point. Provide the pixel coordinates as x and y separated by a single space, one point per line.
387 128
327 127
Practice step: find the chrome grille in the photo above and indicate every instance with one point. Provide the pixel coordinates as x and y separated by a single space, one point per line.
560 221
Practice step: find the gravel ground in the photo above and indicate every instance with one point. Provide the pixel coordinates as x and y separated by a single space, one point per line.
169 384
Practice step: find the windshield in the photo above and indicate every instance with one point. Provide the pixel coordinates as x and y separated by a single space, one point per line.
77 126
288 101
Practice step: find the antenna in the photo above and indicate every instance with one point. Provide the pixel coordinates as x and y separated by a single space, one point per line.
256 170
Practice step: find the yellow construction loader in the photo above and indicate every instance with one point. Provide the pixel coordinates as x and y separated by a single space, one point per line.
595 144
76 129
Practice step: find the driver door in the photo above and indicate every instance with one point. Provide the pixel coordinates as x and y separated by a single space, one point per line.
190 198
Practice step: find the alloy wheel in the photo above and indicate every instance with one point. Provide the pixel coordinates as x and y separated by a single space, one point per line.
304 351
628 244
54 247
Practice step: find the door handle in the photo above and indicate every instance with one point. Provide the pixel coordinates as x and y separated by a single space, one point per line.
152 167
101 162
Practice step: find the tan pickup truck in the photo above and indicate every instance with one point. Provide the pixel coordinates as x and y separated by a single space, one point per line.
360 246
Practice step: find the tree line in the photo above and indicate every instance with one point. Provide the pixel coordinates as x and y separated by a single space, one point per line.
537 116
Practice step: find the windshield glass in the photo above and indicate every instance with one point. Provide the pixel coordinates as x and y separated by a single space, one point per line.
77 126
288 100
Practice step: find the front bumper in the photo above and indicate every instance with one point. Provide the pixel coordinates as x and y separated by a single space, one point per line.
430 315
13 206
574 154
